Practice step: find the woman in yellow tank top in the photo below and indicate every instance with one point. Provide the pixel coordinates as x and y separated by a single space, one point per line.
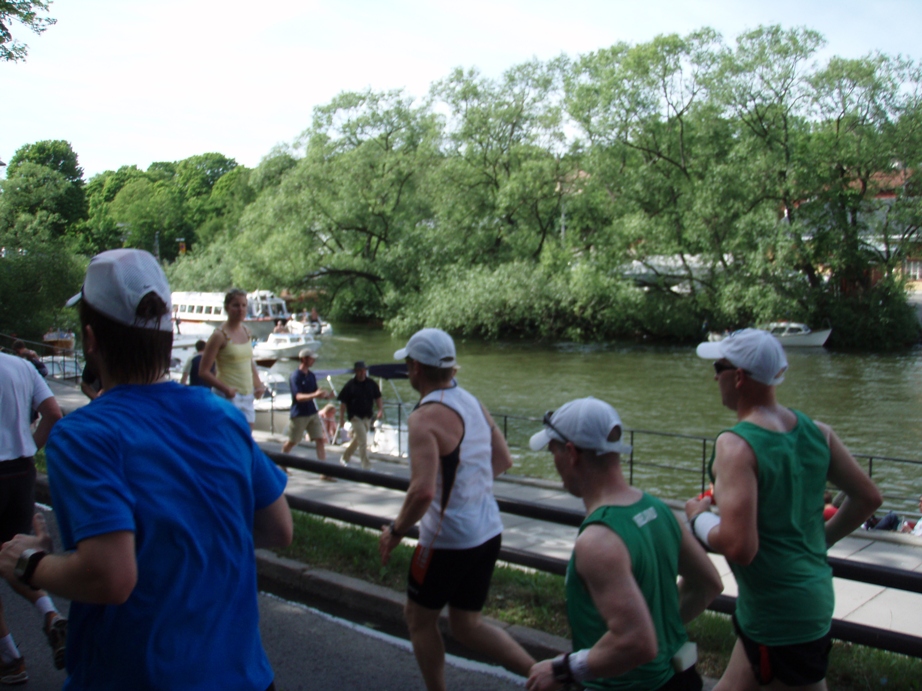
229 346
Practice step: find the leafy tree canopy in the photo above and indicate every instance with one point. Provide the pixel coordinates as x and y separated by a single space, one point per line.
30 14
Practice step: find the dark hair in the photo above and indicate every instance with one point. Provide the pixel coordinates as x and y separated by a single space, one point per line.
131 353
231 294
18 345
200 345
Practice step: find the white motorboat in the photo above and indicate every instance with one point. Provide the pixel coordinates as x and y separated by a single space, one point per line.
284 345
201 313
796 335
791 334
320 328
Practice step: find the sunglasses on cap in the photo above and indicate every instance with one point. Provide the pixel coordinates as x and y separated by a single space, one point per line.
721 367
547 423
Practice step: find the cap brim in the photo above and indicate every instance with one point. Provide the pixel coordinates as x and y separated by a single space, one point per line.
539 440
74 300
710 350
401 354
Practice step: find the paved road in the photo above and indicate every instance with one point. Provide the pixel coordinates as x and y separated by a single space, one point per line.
307 649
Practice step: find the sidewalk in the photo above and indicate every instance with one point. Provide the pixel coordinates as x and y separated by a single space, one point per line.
859 603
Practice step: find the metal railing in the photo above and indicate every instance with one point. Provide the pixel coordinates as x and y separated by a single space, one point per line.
632 465
860 634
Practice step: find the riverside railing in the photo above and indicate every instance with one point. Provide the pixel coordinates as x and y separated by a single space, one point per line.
697 451
860 634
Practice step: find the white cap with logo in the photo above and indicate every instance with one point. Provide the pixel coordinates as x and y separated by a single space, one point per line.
431 347
752 350
587 423
117 280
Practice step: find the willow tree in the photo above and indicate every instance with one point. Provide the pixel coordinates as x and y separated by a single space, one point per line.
334 222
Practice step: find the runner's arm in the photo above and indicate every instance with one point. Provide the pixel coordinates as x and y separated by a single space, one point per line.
736 485
424 469
272 525
862 497
501 458
604 564
102 570
699 581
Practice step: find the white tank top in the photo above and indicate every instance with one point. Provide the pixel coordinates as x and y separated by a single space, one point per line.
463 513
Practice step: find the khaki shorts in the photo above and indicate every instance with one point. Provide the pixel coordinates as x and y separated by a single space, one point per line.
305 423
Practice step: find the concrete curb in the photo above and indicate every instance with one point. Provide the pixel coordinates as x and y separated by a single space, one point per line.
377 602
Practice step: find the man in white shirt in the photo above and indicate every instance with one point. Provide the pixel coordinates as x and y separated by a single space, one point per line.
22 390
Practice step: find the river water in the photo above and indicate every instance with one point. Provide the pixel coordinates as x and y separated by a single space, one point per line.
872 401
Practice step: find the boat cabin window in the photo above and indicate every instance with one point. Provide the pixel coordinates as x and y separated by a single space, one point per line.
778 331
198 309
795 330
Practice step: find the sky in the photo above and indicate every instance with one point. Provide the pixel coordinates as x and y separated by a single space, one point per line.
130 82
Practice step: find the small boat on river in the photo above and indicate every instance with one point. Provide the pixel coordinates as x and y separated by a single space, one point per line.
284 345
791 334
796 335
315 328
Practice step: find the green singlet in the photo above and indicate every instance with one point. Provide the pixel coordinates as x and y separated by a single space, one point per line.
652 536
785 594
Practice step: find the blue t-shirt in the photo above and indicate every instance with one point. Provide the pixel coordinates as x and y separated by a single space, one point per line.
302 382
178 467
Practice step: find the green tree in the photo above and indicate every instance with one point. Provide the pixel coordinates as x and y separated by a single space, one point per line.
25 173
29 13
149 216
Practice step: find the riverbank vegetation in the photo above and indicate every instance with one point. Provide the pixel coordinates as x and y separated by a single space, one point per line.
652 191
536 600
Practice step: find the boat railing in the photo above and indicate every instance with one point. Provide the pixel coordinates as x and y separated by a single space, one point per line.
688 455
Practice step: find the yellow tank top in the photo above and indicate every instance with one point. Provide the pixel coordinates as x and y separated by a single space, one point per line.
234 368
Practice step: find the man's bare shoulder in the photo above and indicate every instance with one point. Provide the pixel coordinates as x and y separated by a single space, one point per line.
732 449
436 414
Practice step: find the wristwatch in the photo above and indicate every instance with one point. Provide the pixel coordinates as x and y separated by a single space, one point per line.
392 526
26 565
560 669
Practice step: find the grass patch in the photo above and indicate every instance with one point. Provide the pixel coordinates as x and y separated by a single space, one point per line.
536 599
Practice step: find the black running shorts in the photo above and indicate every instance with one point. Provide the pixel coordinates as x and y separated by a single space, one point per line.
17 497
795 665
459 577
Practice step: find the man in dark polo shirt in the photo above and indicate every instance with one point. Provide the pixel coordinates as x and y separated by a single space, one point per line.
357 401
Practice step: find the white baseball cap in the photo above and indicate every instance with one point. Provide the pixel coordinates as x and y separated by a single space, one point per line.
753 350
117 280
586 422
307 352
431 347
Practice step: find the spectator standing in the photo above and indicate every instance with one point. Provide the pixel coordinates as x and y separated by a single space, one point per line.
770 472
304 415
230 346
159 525
626 613
358 399
455 452
190 373
22 391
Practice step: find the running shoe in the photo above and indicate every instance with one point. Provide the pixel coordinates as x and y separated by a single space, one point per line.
56 633
13 672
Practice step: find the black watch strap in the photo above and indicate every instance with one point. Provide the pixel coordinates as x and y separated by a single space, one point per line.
392 526
560 668
28 562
